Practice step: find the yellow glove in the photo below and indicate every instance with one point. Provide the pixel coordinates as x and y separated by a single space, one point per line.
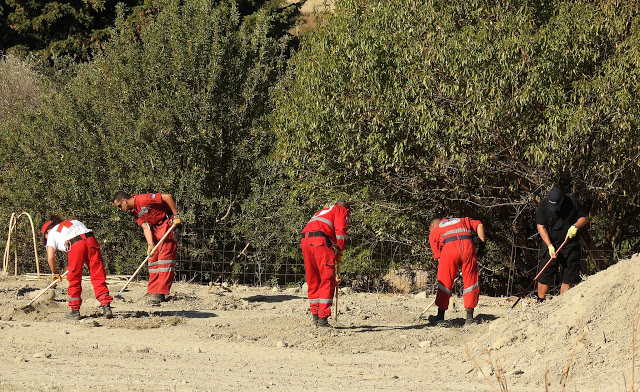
552 251
150 250
56 277
339 257
176 220
573 230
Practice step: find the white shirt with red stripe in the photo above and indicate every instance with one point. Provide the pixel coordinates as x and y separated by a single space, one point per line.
63 232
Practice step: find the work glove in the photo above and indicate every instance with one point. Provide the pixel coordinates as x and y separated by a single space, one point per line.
552 251
480 248
339 257
177 230
573 230
150 250
56 277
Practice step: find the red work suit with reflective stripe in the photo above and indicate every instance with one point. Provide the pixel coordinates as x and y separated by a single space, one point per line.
452 245
319 256
150 209
86 250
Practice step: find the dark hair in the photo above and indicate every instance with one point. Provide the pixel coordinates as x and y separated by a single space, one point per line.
55 219
121 195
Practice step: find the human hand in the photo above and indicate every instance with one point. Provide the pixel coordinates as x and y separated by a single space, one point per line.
56 277
176 220
150 250
552 251
573 230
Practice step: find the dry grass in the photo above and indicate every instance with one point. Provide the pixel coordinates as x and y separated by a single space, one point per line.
19 88
498 371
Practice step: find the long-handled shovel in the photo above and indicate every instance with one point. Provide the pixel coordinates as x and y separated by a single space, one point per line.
27 308
336 298
526 292
145 261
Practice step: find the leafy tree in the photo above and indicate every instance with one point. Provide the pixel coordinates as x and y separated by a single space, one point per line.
417 109
175 104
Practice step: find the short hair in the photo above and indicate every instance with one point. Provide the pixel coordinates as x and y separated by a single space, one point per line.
55 220
121 195
344 204
434 222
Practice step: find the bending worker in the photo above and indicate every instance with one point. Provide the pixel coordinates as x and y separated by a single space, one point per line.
452 244
558 219
328 227
73 237
155 213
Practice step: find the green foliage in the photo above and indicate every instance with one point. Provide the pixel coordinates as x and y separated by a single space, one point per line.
417 109
174 105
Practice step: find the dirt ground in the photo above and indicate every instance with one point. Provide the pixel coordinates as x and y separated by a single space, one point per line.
246 339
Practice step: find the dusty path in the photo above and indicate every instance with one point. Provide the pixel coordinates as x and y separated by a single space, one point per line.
261 339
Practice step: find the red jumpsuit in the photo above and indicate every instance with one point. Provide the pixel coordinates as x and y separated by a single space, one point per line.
82 248
452 245
327 227
150 209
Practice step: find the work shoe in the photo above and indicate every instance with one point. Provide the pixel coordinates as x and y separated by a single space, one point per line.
314 322
470 321
539 300
73 315
437 321
106 311
163 298
154 299
322 322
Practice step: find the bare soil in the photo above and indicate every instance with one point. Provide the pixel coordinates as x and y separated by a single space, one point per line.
246 339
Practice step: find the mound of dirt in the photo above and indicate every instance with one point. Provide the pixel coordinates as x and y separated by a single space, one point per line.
588 332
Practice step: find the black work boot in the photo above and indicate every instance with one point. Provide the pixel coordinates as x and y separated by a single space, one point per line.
73 315
154 299
323 322
106 311
539 300
314 322
470 320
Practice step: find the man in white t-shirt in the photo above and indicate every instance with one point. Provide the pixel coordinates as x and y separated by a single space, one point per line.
73 237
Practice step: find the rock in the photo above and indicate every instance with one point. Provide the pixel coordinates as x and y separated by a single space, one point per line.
197 350
140 349
504 341
280 343
42 354
424 344
19 359
420 295
7 318
346 290
26 325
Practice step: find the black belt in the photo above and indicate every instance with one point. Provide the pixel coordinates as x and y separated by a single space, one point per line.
310 234
80 237
455 238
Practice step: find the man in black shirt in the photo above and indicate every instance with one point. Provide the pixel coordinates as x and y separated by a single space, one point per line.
559 217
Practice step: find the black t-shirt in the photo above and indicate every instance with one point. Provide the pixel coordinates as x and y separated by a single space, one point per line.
557 223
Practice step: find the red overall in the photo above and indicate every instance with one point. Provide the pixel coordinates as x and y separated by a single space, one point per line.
150 209
452 245
327 227
86 250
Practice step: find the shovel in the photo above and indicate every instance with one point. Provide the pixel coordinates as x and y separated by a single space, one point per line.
524 294
145 261
28 308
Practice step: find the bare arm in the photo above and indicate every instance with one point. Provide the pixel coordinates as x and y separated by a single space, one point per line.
480 231
581 222
167 198
544 235
51 259
147 234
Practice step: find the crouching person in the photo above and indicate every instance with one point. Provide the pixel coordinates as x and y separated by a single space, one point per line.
73 237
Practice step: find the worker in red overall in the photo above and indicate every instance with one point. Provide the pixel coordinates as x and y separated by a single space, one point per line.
155 213
328 227
73 237
452 244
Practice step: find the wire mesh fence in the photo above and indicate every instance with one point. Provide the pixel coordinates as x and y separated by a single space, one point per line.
216 254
